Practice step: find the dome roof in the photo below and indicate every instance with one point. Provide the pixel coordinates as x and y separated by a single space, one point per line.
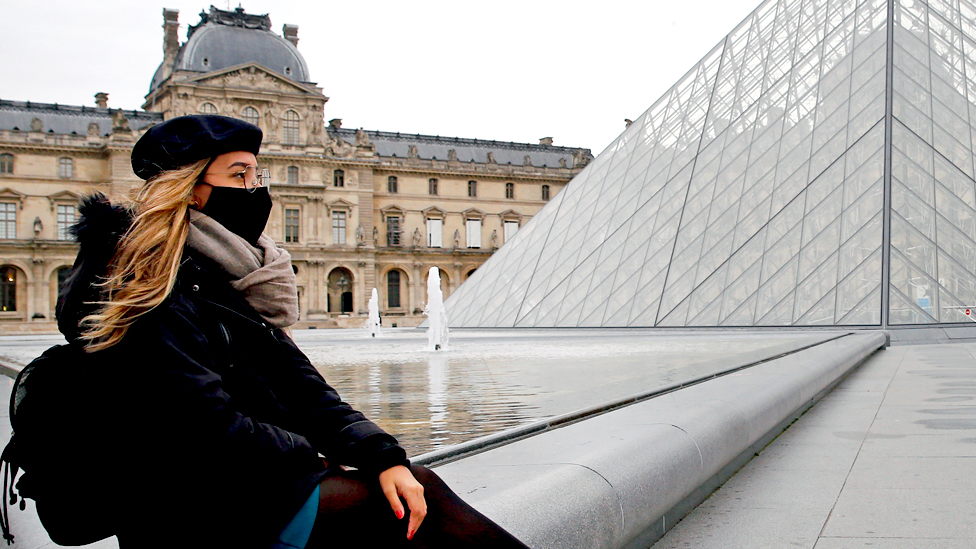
225 39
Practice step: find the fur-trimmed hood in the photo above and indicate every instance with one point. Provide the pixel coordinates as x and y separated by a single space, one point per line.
100 226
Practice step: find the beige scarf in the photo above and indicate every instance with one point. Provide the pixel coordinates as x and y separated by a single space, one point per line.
263 275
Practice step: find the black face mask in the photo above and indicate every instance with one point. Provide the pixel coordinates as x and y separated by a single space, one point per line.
242 212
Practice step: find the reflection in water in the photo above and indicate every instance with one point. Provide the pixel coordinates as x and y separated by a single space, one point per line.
430 404
487 383
437 397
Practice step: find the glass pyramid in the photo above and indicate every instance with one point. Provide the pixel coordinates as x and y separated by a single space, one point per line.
815 168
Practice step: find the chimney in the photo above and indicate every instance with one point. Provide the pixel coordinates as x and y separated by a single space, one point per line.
546 141
290 33
171 40
335 123
101 100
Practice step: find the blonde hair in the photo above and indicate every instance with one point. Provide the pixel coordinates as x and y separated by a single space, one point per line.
143 271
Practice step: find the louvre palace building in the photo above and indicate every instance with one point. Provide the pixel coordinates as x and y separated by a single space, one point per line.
356 208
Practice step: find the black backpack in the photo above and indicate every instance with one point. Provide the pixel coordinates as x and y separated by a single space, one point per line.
47 413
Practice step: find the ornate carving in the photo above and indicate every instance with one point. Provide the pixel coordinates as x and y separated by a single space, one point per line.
93 128
120 124
527 161
580 158
452 155
362 139
457 238
494 238
375 234
563 163
338 147
37 125
412 152
491 157
314 132
360 236
271 121
236 18
417 238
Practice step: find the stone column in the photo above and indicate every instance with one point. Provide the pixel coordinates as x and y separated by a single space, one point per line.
38 295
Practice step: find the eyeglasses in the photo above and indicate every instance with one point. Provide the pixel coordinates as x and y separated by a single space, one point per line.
251 176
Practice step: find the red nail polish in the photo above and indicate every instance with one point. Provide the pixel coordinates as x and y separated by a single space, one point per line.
399 514
409 535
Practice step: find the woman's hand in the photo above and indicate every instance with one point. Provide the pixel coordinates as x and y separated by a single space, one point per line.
398 482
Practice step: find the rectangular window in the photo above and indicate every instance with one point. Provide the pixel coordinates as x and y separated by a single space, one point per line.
391 184
338 227
291 225
66 168
545 192
472 188
8 220
473 228
339 178
393 231
509 190
511 227
432 186
435 233
293 175
66 218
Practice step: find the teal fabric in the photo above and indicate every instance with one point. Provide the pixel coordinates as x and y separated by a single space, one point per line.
296 533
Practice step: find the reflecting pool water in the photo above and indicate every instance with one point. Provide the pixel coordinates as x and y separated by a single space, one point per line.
490 381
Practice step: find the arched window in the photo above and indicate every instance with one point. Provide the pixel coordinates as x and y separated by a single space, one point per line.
66 168
472 188
391 184
545 192
293 175
393 289
8 289
208 108
250 115
509 190
291 124
432 186
339 178
6 163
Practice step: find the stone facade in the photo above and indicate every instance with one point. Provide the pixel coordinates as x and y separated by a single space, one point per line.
356 209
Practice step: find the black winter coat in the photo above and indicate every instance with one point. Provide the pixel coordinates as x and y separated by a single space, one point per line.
208 423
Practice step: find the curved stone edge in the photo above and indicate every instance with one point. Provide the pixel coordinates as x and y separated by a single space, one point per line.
657 459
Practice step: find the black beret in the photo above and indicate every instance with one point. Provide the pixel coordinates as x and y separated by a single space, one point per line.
184 140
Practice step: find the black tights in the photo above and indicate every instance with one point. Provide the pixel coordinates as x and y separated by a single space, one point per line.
353 512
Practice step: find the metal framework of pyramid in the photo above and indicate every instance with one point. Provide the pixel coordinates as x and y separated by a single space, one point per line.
815 168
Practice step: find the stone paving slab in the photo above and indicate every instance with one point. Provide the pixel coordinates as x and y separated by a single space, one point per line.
888 460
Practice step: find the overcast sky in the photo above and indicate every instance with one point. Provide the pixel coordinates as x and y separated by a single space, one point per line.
505 70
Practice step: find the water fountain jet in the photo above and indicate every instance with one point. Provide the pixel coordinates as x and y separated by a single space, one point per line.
437 332
373 324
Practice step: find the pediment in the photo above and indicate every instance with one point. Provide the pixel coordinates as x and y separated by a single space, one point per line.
510 215
392 210
434 212
10 194
473 213
340 204
251 76
62 197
